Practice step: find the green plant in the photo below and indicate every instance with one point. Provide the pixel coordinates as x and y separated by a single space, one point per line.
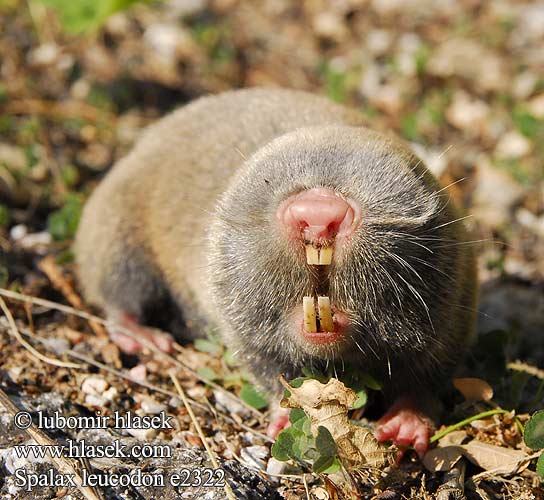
237 378
62 223
297 443
534 438
82 16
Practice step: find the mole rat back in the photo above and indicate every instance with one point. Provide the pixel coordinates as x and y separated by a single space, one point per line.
303 237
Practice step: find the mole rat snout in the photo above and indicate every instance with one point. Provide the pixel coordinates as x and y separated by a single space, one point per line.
320 218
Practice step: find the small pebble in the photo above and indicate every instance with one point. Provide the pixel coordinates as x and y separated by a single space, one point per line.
95 400
143 434
229 404
110 394
274 467
152 407
139 372
255 456
18 232
94 385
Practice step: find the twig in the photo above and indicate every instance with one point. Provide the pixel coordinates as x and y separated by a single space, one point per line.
459 425
306 486
58 109
50 268
520 366
228 490
33 352
129 333
63 464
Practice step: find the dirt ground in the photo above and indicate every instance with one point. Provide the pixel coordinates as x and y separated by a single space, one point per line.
461 81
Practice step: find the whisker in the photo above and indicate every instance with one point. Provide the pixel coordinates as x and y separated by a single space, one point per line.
452 222
452 184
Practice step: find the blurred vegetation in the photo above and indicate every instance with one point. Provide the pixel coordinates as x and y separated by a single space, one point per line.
80 16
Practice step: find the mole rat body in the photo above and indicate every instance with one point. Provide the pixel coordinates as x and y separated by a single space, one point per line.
238 208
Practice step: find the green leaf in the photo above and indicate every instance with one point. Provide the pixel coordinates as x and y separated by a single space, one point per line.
322 464
252 397
540 466
229 359
205 345
69 175
65 257
295 383
315 374
62 224
207 373
410 126
324 442
4 275
334 467
296 414
304 446
534 431
370 382
4 215
361 400
282 449
85 15
527 124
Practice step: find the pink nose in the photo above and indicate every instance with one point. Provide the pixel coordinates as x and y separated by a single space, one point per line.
317 214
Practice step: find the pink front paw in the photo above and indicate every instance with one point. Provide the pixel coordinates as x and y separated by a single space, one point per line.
279 421
405 426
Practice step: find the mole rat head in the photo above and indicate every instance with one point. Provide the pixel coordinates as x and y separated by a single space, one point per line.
322 248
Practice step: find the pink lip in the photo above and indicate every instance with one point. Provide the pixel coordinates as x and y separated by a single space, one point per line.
323 338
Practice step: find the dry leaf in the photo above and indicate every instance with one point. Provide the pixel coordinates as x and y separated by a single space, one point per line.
493 457
442 459
327 405
453 439
473 389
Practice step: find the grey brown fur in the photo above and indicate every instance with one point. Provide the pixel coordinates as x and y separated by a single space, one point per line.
190 214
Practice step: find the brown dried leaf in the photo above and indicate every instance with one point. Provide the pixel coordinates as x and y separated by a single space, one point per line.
453 439
473 389
493 457
443 458
328 405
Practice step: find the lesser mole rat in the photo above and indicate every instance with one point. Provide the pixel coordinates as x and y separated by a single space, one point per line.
303 237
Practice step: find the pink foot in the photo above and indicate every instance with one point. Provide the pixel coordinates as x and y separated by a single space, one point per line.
278 422
405 426
162 340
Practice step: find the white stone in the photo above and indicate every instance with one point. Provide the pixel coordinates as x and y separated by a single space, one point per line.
495 195
44 54
536 106
378 41
524 84
94 385
255 456
467 113
18 232
165 39
110 394
152 407
12 156
276 468
143 434
32 240
436 160
513 145
229 404
95 400
329 24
